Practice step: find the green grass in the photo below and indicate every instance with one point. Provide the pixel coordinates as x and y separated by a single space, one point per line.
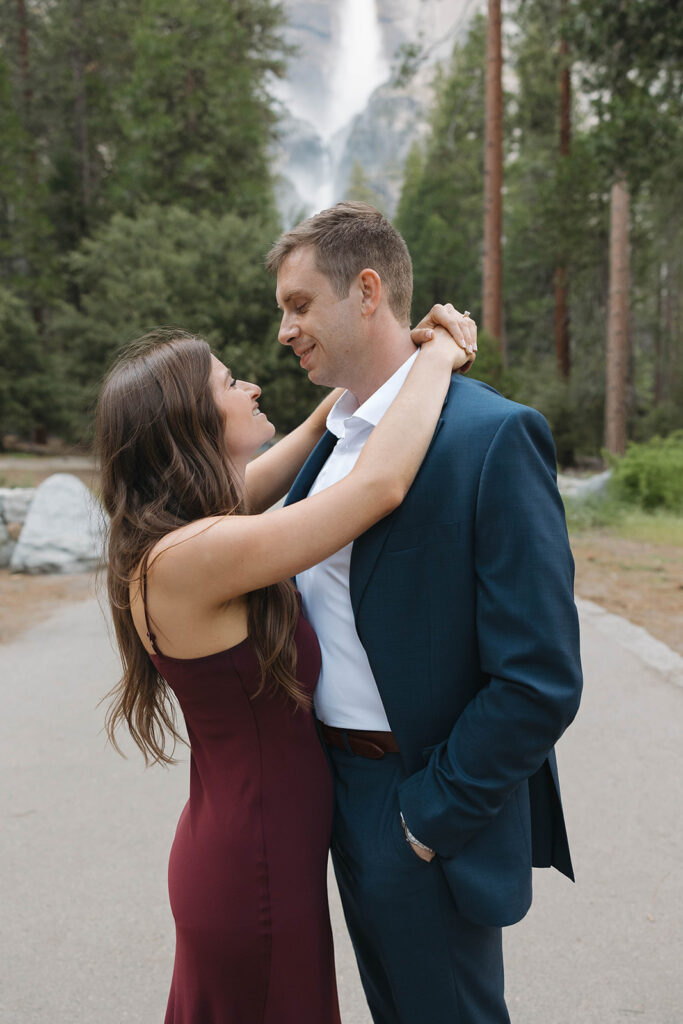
657 528
622 520
22 480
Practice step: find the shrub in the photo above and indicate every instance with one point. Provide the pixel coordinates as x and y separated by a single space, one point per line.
31 398
660 419
651 474
489 363
197 271
573 408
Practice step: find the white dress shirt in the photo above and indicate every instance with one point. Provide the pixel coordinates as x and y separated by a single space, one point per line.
346 695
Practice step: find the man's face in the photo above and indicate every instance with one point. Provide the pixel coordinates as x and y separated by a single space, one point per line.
323 330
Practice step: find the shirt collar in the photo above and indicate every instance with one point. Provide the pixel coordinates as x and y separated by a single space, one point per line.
371 411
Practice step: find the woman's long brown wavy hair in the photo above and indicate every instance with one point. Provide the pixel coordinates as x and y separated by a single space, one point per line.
163 459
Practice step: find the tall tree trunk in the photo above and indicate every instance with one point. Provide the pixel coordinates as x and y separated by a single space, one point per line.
190 86
81 111
27 88
562 338
562 322
23 58
617 322
493 180
672 347
660 347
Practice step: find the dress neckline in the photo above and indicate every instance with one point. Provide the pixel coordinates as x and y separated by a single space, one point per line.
201 657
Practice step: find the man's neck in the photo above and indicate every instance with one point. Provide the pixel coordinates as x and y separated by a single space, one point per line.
388 354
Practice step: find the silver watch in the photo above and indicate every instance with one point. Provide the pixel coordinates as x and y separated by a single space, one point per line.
410 838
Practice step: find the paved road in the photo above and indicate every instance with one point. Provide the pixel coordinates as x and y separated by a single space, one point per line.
85 930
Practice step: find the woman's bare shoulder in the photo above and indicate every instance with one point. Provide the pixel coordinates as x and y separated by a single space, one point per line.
180 557
188 533
187 612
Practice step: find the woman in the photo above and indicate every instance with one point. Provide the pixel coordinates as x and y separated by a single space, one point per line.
204 608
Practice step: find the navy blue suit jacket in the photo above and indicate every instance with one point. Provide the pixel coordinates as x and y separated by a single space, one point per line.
463 601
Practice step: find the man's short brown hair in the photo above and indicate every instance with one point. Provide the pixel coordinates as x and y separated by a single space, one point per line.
348 238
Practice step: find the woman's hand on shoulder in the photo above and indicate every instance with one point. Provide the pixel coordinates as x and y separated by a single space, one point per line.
441 343
461 328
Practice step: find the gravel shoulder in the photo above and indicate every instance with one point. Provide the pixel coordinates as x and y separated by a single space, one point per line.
26 471
642 582
27 600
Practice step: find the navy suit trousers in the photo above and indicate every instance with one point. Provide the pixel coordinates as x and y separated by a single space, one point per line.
420 960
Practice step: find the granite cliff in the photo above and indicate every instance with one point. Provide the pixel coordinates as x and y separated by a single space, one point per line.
340 102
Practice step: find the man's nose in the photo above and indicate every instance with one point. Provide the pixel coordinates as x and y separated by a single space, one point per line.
288 331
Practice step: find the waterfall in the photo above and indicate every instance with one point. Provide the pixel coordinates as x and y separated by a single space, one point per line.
332 121
353 66
359 67
360 64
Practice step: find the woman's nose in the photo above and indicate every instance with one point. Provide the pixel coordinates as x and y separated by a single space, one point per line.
252 389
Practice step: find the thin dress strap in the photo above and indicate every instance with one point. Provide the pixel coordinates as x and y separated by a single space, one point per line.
150 634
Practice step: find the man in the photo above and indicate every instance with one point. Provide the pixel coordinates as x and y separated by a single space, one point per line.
449 639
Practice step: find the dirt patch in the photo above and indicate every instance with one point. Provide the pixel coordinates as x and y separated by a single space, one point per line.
27 600
640 581
29 471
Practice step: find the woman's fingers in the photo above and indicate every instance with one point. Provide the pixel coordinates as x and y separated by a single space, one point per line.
420 335
462 358
458 353
469 327
447 322
462 329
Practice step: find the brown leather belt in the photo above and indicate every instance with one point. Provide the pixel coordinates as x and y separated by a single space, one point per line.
363 742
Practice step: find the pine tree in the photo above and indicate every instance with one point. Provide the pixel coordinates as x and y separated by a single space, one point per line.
360 189
111 106
196 117
440 211
492 302
631 58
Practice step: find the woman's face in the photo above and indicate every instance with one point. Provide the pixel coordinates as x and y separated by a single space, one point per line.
246 428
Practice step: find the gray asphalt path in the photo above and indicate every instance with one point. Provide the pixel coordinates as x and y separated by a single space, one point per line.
85 930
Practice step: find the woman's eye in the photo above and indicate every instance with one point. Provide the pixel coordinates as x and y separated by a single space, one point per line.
232 383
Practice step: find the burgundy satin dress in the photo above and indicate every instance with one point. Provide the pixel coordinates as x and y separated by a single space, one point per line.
248 866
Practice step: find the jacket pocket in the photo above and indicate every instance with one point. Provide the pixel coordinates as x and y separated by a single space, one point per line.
428 751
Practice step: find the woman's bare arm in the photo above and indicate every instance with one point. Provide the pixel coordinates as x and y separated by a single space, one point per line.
225 557
270 476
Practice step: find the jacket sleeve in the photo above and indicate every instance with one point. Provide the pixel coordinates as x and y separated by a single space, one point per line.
528 639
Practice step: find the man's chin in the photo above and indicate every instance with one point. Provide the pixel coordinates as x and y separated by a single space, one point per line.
317 376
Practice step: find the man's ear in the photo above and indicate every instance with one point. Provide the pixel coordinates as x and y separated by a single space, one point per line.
370 284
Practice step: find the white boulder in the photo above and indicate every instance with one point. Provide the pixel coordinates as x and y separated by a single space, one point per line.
15 503
64 529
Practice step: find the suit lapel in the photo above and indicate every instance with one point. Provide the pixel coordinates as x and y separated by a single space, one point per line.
368 547
311 467
364 554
